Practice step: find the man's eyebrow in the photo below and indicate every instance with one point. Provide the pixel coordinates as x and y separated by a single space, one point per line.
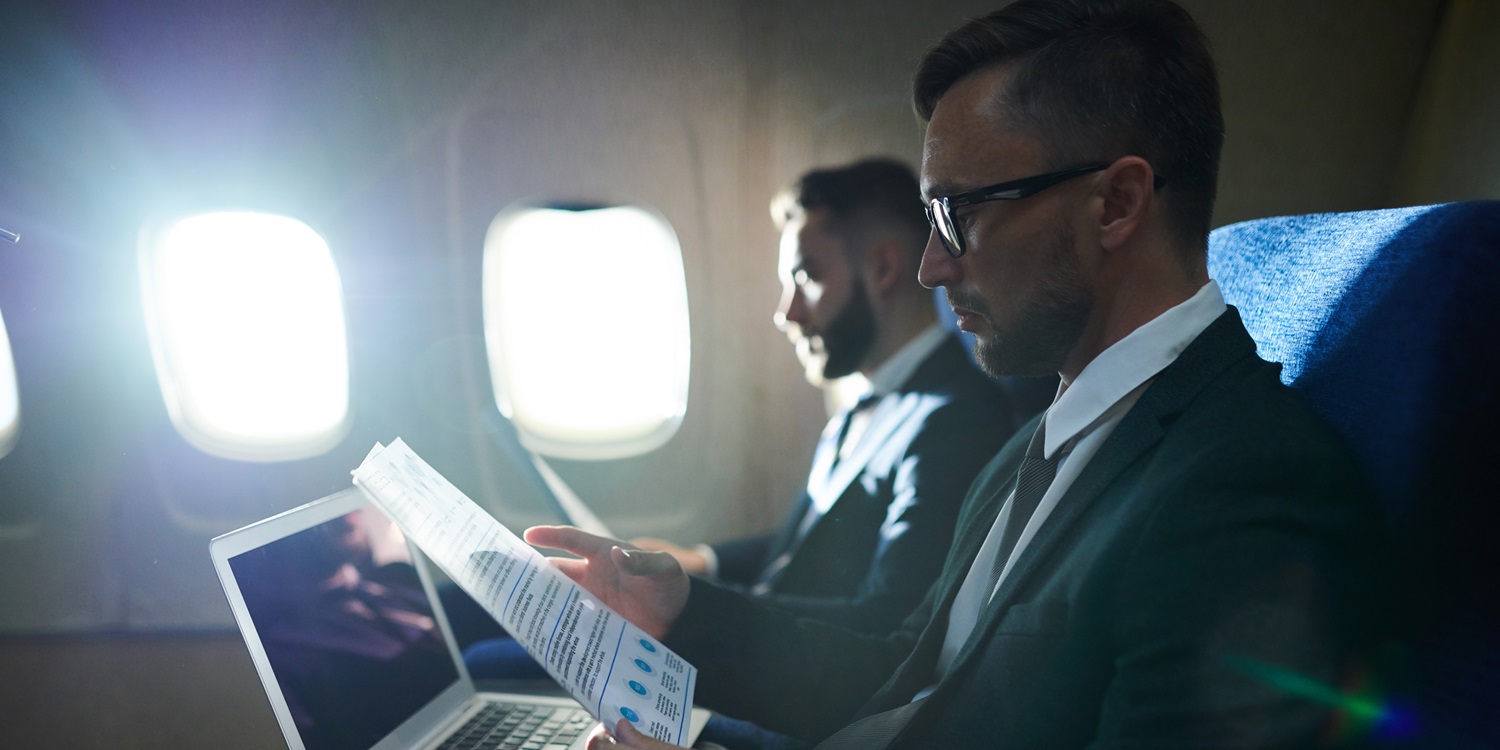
940 190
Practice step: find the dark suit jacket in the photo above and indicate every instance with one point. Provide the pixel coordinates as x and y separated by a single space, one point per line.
1211 563
870 559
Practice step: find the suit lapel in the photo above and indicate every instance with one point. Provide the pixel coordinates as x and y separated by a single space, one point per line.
828 481
885 418
1134 436
825 486
973 526
823 456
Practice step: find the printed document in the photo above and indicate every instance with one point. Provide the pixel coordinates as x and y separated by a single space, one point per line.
608 665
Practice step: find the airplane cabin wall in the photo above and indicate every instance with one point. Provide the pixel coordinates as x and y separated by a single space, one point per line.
1451 152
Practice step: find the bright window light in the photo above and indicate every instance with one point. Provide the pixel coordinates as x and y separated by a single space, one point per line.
10 399
586 324
247 329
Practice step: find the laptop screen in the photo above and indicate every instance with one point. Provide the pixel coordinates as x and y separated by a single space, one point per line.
347 627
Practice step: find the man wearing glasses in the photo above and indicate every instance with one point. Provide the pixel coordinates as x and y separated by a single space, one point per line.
1178 553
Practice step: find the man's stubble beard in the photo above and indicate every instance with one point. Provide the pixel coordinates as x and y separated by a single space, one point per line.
1049 323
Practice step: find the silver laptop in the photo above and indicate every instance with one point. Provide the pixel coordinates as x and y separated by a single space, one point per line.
353 648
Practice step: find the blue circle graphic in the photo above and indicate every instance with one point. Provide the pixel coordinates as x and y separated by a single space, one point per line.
629 715
643 665
645 644
637 687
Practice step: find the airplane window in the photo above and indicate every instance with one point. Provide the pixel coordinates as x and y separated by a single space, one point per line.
586 324
246 319
10 399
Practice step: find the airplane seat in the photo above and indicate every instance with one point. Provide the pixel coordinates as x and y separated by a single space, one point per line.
1386 321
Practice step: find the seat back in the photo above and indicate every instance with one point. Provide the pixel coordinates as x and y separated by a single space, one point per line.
1387 321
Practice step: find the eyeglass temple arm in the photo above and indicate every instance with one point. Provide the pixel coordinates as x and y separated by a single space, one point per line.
1026 191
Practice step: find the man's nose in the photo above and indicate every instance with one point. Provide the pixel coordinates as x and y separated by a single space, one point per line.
938 267
792 310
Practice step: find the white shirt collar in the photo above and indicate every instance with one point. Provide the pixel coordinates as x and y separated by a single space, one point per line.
1131 361
899 367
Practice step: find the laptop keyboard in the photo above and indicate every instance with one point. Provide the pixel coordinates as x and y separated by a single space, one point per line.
512 726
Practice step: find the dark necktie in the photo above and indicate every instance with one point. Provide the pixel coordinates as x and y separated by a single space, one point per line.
1032 481
855 422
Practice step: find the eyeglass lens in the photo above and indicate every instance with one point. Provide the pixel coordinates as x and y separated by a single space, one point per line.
942 221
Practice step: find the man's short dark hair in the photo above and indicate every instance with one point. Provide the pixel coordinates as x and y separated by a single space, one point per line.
1095 80
868 195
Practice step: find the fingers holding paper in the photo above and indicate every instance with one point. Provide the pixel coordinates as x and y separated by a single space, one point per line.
648 588
624 735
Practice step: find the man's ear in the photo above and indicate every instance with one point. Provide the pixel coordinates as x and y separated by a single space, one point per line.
885 266
1128 189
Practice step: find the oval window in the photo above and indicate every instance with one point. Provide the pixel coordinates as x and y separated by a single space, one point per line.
246 317
10 398
586 326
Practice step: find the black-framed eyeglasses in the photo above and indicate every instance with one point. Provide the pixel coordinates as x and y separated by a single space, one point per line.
940 209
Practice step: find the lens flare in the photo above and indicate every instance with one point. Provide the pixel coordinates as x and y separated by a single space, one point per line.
1362 710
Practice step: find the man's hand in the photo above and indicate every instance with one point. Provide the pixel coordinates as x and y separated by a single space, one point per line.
625 735
648 588
692 561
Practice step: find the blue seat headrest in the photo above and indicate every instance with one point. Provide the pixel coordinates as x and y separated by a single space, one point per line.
1385 320
1388 322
